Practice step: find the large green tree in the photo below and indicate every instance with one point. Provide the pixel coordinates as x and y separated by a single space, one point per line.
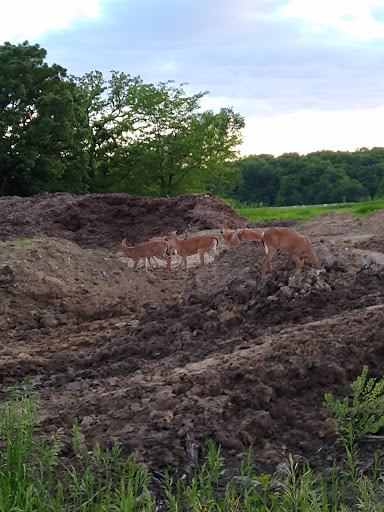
40 124
111 112
154 139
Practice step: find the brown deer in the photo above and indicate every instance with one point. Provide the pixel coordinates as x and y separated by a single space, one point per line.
230 237
235 238
248 234
170 246
201 245
288 240
145 250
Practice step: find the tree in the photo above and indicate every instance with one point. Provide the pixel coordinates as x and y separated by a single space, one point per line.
40 124
111 113
187 151
260 182
152 139
319 179
349 191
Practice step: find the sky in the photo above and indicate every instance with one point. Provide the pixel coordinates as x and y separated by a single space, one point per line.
306 75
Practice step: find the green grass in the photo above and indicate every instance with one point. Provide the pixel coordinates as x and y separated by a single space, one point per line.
33 477
22 240
303 213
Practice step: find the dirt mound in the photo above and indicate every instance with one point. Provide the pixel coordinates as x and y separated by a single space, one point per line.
332 223
344 225
49 282
98 220
155 361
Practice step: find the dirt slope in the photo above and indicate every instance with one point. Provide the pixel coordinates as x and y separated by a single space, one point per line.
153 361
98 220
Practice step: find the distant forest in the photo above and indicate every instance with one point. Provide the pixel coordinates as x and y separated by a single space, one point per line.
316 178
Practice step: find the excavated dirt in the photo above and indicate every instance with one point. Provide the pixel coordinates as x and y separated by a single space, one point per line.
159 363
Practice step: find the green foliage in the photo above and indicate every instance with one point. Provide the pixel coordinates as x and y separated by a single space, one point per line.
26 468
361 414
204 493
316 178
151 139
32 478
40 124
88 134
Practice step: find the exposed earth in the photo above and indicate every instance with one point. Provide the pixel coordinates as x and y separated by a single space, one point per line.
159 363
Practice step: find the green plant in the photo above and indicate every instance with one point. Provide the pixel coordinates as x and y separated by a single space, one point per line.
301 492
26 467
363 413
32 478
205 493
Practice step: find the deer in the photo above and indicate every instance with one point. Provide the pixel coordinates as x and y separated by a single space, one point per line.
288 240
230 237
248 234
235 238
201 245
145 250
170 246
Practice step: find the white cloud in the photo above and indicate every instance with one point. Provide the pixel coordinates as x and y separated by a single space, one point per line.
33 19
308 131
351 17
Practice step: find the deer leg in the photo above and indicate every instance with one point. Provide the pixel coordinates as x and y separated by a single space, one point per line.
267 260
167 259
186 265
201 254
314 260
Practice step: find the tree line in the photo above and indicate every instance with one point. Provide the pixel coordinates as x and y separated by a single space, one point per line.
316 178
91 134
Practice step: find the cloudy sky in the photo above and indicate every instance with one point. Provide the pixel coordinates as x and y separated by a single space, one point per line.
307 75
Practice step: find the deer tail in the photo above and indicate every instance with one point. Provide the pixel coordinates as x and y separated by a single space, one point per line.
264 244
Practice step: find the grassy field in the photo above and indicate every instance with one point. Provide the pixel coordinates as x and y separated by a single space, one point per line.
307 212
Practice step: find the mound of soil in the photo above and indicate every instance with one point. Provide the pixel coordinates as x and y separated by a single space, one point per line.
98 220
155 361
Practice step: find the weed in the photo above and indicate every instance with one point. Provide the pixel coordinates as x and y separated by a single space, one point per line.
363 413
33 479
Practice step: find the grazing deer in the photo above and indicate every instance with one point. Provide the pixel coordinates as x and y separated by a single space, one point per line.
288 240
230 237
234 238
196 245
248 234
145 250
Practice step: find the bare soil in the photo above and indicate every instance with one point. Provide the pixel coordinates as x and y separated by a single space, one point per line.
159 363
